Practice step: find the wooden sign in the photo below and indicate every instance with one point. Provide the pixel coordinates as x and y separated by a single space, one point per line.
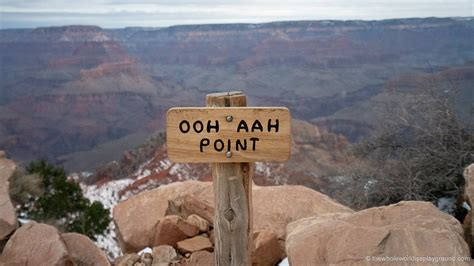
228 134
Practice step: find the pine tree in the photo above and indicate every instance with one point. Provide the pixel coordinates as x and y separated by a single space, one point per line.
62 203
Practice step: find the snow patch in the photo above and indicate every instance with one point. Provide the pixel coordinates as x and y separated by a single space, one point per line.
145 250
108 195
143 174
284 262
466 206
446 204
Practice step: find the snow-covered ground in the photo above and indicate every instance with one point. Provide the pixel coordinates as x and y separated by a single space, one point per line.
108 195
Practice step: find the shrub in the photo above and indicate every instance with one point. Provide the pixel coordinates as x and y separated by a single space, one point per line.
419 152
24 186
62 203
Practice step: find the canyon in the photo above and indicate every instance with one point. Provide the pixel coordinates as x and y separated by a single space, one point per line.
81 95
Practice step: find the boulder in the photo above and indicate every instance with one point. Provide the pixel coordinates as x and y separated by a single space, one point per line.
127 260
469 194
8 218
188 229
83 251
273 208
137 217
173 229
266 249
164 255
199 222
200 258
147 259
276 206
404 229
188 205
38 243
195 244
467 222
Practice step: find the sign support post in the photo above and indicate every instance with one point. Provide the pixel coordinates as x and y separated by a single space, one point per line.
231 137
232 184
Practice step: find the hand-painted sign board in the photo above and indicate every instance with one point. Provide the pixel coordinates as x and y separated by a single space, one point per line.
228 134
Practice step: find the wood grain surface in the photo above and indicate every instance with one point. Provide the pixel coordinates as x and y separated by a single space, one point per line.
209 134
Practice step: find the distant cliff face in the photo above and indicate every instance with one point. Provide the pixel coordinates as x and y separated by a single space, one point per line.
315 44
69 89
72 88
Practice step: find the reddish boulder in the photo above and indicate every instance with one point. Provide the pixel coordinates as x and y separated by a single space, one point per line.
199 222
36 243
173 229
147 259
273 208
188 205
137 218
194 244
127 260
266 249
8 218
164 255
200 258
468 223
83 251
406 229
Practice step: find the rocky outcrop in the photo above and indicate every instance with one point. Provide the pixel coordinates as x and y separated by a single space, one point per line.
310 52
197 250
195 244
107 69
405 229
36 243
127 260
164 255
137 217
172 229
188 205
83 251
8 218
199 222
200 258
41 244
274 207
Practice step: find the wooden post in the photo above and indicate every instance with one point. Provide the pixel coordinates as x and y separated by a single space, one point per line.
219 134
232 183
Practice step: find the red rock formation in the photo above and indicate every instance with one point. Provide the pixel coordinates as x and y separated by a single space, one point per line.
108 69
410 229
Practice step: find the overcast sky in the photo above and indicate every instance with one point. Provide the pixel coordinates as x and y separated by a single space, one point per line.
157 13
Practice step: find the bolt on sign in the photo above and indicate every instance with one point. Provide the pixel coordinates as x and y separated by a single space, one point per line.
228 134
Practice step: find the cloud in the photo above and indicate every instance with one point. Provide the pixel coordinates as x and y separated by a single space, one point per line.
122 13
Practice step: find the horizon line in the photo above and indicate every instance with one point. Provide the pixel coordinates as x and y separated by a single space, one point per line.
238 23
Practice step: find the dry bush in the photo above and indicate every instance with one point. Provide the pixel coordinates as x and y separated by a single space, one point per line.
24 187
419 152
